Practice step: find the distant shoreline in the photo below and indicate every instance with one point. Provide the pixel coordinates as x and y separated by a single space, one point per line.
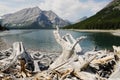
94 30
113 32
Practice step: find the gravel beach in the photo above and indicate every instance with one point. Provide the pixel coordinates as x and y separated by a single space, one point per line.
3 45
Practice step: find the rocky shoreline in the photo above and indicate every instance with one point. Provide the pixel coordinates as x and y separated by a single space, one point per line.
3 45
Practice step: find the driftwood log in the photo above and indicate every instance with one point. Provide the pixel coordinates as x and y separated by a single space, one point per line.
67 46
116 73
64 63
10 61
26 57
19 55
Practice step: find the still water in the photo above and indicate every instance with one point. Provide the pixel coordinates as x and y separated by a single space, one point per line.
44 39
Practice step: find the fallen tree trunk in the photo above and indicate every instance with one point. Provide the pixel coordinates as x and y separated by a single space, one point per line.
103 60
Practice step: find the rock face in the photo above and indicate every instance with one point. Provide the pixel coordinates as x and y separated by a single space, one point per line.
32 18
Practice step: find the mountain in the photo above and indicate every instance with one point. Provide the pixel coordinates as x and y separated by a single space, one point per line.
107 18
31 18
81 19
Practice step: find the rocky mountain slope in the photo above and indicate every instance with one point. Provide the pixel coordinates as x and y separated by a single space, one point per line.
33 18
107 18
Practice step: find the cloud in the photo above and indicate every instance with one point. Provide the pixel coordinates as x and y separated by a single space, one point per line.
73 9
67 9
4 9
14 1
10 6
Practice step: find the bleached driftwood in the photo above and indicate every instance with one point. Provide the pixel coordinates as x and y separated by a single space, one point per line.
103 60
78 48
64 63
19 53
84 75
8 62
26 56
116 73
117 50
26 61
68 48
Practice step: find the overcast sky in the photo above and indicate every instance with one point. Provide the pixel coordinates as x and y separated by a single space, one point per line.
71 10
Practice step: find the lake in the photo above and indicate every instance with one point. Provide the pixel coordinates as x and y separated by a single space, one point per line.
44 39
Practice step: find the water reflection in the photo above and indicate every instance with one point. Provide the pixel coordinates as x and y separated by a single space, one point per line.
44 39
105 40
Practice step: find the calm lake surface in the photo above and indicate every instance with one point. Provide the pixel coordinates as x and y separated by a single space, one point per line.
44 40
